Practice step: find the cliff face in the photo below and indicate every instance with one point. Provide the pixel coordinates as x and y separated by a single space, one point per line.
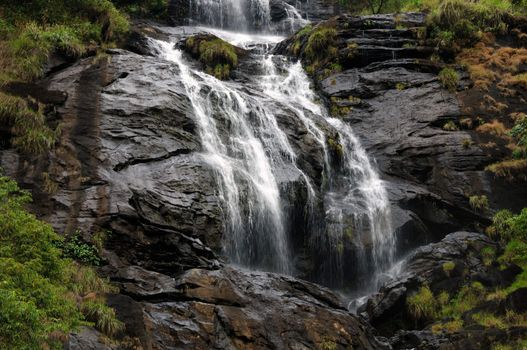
129 161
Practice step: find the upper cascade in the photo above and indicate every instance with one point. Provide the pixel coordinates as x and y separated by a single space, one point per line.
248 16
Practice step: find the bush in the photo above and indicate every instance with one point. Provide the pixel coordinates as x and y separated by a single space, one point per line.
449 79
32 32
76 248
38 291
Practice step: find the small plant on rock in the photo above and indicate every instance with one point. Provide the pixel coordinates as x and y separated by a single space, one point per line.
479 203
448 267
450 126
449 79
422 305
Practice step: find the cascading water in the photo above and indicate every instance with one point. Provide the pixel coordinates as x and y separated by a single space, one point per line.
243 15
349 215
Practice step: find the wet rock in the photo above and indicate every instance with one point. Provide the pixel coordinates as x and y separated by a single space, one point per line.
236 309
86 338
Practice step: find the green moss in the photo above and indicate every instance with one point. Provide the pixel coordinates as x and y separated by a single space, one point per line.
335 147
320 44
449 79
218 56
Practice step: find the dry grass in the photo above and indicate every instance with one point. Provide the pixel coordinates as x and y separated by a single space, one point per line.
488 65
509 169
495 128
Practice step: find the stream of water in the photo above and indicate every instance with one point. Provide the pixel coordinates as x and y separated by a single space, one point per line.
249 153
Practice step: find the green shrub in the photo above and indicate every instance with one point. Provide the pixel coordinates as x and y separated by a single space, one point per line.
515 252
519 133
489 320
39 289
449 79
468 298
76 248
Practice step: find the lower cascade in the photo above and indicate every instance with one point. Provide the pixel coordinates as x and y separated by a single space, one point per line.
346 217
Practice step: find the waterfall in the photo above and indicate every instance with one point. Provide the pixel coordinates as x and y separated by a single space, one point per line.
347 219
244 15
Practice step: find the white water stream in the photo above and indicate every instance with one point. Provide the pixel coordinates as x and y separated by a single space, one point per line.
249 152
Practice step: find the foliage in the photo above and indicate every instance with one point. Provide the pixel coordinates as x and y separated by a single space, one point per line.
489 320
320 43
449 79
479 203
509 169
76 248
35 31
144 8
488 255
30 132
217 55
103 316
422 305
448 267
450 126
39 288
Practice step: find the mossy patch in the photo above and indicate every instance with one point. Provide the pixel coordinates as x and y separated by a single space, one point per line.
218 57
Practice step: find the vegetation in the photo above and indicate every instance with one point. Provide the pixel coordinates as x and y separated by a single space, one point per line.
423 305
450 314
479 203
31 33
218 56
448 267
28 125
144 8
449 79
42 293
450 126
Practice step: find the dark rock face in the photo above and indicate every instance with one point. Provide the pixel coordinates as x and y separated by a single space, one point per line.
386 309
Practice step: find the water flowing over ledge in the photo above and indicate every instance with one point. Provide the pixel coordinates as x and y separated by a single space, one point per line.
347 218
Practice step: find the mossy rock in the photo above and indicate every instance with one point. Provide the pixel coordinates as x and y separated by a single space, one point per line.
218 57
